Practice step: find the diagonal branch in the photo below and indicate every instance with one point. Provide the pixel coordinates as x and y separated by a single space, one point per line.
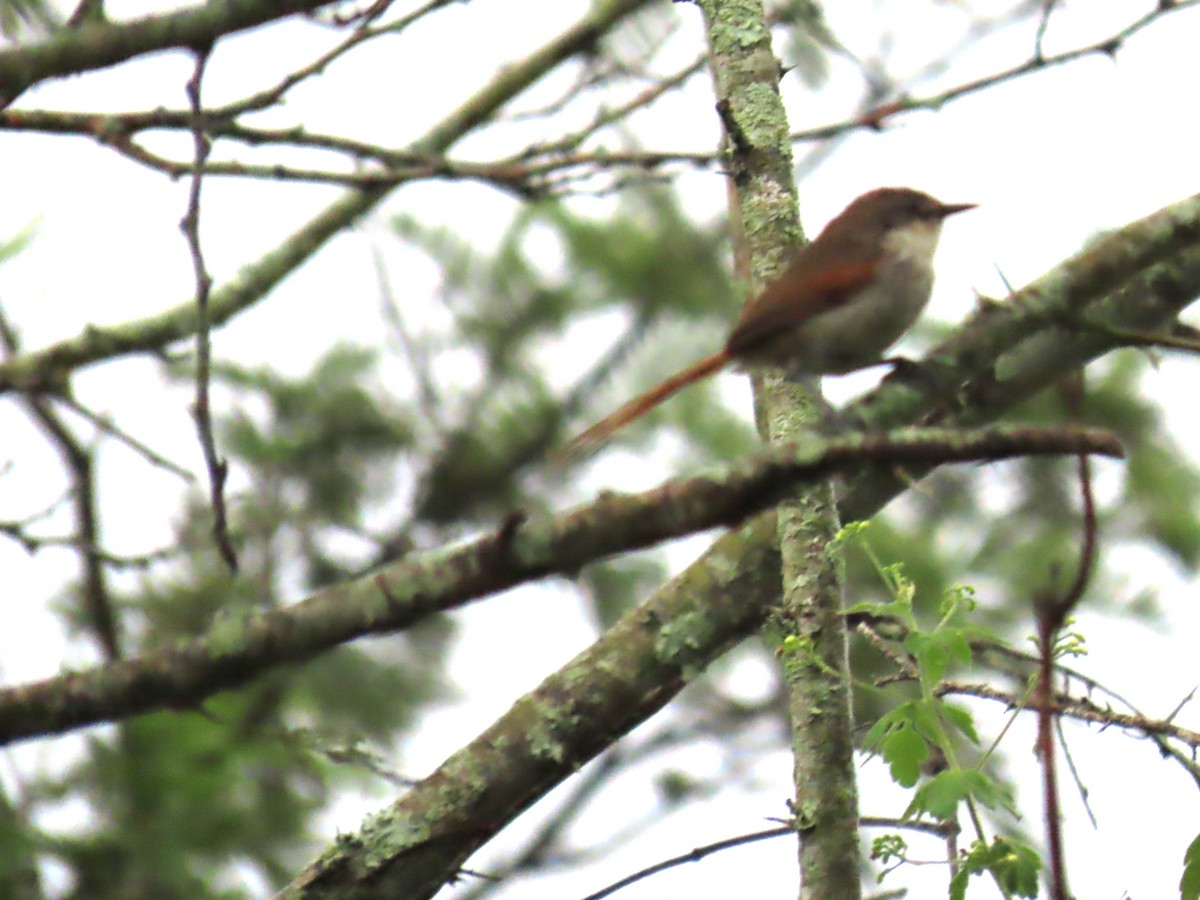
400 594
98 45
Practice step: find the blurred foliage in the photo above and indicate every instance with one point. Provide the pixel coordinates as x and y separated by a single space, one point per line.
19 18
614 585
325 451
179 801
179 797
646 260
1014 528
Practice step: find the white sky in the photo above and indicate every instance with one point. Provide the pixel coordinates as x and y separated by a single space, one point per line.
1050 159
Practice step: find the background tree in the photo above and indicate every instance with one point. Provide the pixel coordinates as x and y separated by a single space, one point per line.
496 243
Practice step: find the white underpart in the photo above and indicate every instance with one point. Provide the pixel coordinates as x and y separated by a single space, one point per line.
852 336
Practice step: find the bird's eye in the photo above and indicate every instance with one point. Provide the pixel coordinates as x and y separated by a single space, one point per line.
913 209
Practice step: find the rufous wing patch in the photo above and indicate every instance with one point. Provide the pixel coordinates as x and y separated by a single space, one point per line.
793 299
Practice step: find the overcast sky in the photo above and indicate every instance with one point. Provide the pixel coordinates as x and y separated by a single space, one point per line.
1051 159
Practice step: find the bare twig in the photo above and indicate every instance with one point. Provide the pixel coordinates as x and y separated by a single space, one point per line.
1044 702
111 428
428 397
523 172
1043 24
94 591
1078 708
939 829
218 468
694 855
571 142
1051 614
1108 46
85 49
362 33
1074 770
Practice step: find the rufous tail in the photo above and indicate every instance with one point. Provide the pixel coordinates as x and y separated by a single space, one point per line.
595 437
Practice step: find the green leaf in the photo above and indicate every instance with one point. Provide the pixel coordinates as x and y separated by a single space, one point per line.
1189 882
962 720
887 847
934 650
939 796
904 751
899 608
988 791
925 718
1014 866
898 717
930 655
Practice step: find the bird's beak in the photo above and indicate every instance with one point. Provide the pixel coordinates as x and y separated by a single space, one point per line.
949 209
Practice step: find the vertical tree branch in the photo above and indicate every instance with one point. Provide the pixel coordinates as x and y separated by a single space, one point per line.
94 594
1052 612
814 649
218 468
816 671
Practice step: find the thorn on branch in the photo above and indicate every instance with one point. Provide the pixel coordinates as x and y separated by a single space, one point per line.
498 550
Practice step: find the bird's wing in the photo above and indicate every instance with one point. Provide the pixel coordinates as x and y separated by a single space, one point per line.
794 298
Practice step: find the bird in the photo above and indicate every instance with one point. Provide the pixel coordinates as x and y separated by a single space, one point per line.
839 304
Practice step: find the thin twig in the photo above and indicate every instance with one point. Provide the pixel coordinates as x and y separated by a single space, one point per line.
1051 614
1045 750
1043 24
116 130
112 429
218 468
1069 758
694 855
1074 708
936 828
1108 46
94 591
428 397
362 33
